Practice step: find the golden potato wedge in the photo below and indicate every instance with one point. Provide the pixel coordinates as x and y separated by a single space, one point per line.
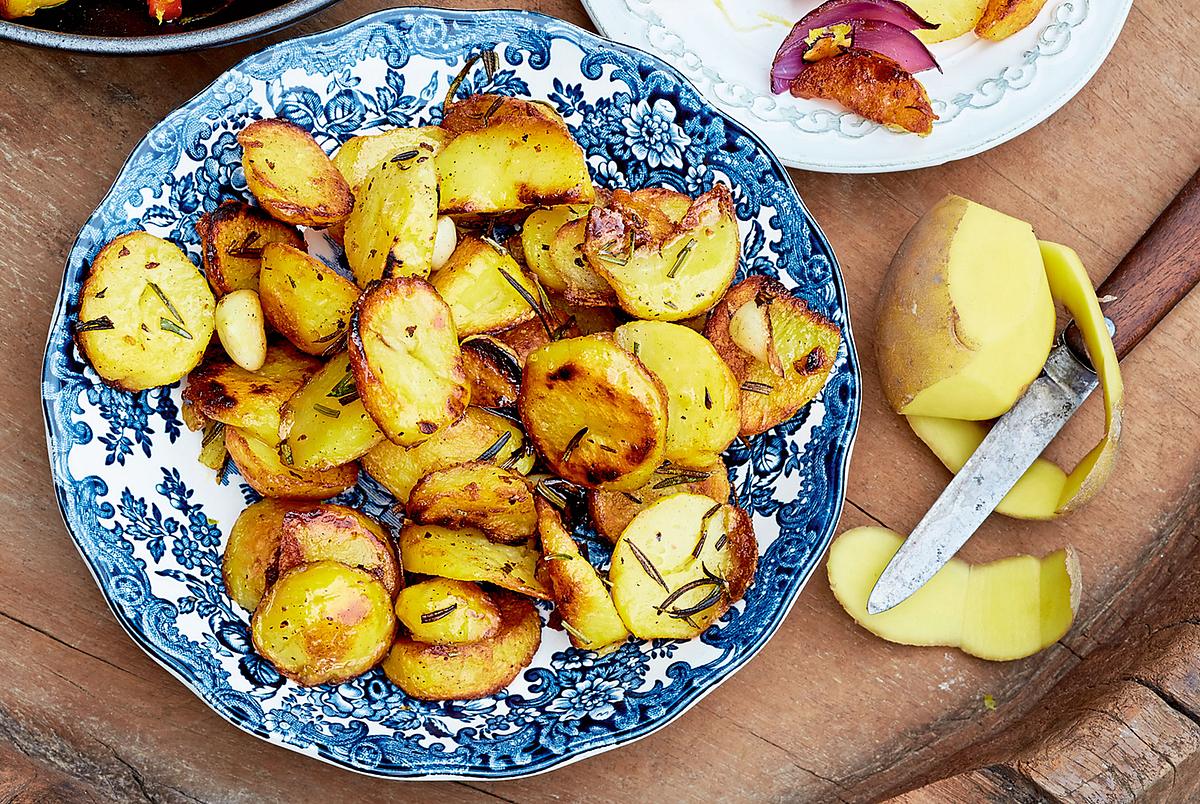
465 554
477 669
668 276
661 208
493 372
680 564
580 596
266 473
594 412
324 424
290 176
232 238
612 511
308 302
703 399
146 314
359 155
477 435
324 623
486 290
406 360
807 343
15 9
869 85
478 495
337 533
442 611
393 228
952 18
508 154
225 392
250 551
1003 18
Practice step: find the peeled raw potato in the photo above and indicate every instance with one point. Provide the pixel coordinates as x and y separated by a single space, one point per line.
1003 610
966 319
953 17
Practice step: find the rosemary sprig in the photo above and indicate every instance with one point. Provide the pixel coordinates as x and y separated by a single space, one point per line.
563 328
491 62
324 411
678 480
632 498
573 631
95 324
246 247
170 326
437 614
458 79
167 302
494 450
710 600
211 432
607 255
650 569
558 557
682 257
757 387
345 386
524 452
404 156
704 529
572 444
338 331
526 295
551 496
487 116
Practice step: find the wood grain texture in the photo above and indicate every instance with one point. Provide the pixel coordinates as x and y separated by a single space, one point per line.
826 711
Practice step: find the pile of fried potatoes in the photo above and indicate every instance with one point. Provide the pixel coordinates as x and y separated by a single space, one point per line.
586 367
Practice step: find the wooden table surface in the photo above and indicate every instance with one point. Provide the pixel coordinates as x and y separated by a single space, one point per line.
826 711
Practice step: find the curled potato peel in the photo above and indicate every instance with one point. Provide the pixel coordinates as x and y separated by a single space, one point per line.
1045 490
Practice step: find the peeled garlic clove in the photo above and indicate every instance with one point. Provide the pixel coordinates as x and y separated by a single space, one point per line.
447 240
240 327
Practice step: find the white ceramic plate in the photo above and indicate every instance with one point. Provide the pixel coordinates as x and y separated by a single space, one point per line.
988 94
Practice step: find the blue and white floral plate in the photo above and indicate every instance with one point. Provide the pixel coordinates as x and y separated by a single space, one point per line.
151 522
988 93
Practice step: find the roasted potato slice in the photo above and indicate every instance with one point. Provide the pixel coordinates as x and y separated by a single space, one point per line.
308 302
291 176
668 275
537 238
225 392
462 672
266 473
486 290
479 495
232 238
805 342
359 155
447 612
250 551
869 85
703 400
146 314
324 424
594 412
324 623
406 360
581 284
465 554
580 596
680 564
393 228
612 511
337 533
493 372
1003 18
508 154
661 208
475 436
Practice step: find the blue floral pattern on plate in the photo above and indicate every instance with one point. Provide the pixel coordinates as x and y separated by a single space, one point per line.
151 522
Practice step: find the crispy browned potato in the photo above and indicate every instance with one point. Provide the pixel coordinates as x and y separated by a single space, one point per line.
324 424
337 533
253 543
232 238
479 495
660 269
493 372
680 565
447 612
474 669
308 302
146 314
225 392
537 332
871 86
580 596
266 473
291 176
1003 18
406 360
465 554
595 412
612 511
508 154
806 344
475 436
480 283
324 623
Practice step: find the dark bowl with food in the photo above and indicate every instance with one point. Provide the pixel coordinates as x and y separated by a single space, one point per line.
133 27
